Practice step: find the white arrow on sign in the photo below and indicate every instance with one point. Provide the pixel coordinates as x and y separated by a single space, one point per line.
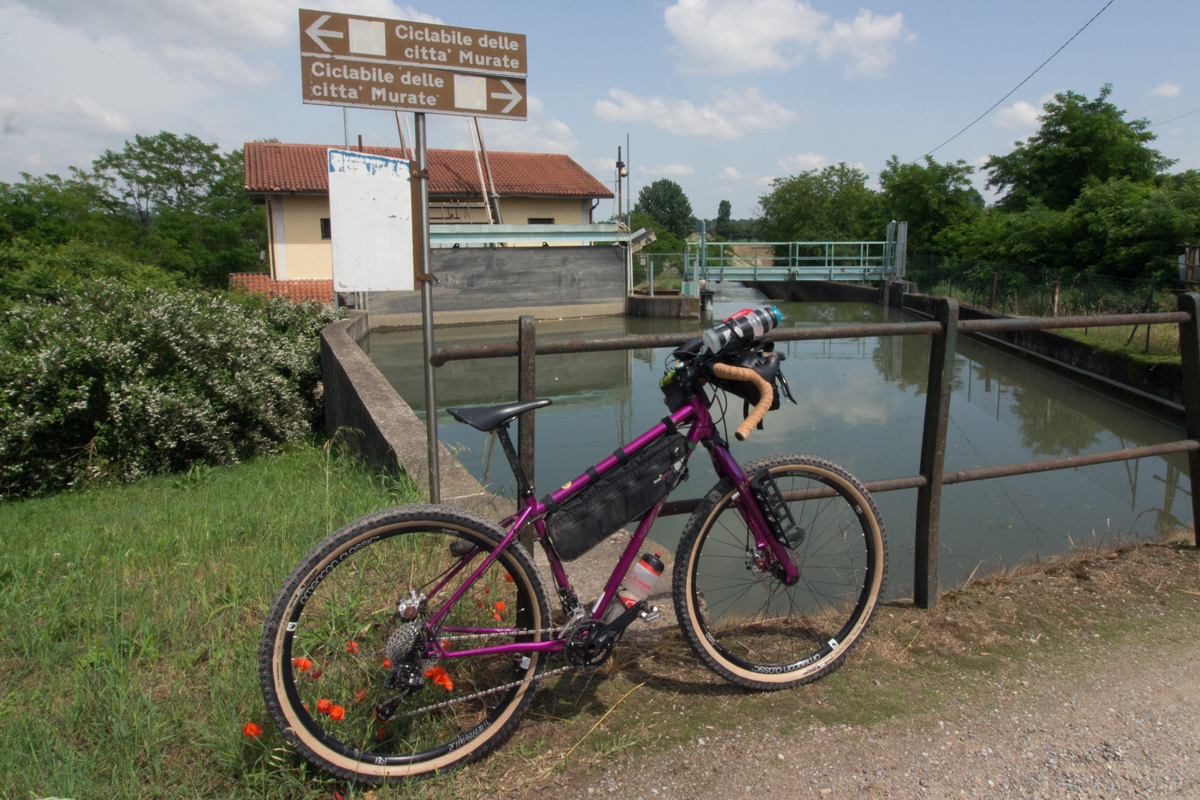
513 97
315 32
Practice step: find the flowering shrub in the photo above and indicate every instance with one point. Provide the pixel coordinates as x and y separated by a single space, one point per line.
121 382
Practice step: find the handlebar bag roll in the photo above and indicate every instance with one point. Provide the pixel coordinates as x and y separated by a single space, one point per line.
619 496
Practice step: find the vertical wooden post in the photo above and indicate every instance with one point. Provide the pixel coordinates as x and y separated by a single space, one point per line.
992 296
933 453
1189 352
526 390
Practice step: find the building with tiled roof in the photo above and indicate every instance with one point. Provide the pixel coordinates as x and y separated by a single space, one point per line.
293 182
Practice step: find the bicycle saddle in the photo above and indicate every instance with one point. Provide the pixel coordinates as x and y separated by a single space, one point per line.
488 418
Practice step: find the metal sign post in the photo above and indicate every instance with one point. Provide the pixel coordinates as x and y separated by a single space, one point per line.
366 62
421 267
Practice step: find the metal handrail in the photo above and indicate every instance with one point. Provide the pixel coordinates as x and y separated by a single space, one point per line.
944 329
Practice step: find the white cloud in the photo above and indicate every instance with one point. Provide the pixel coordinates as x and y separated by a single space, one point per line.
1019 116
764 181
803 162
667 169
979 161
28 113
1166 89
732 36
221 66
541 133
231 24
730 174
864 41
730 115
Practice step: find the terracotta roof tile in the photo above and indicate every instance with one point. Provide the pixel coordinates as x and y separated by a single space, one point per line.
297 291
277 167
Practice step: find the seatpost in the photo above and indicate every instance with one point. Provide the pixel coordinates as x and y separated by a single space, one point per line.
506 443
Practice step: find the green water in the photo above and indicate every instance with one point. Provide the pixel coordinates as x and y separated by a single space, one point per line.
861 403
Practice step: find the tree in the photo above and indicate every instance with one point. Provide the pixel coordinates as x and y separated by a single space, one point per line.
832 204
1078 139
932 198
159 173
723 226
665 201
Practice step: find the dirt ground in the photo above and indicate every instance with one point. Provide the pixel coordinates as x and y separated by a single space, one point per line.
1072 678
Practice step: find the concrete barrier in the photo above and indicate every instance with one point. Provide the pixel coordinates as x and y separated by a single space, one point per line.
365 412
1156 388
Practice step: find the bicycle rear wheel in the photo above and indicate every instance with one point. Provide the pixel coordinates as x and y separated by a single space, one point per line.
745 623
348 660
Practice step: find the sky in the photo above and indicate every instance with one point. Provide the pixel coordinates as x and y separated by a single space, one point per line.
721 96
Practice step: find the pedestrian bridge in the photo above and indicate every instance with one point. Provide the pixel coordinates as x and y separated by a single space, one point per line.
802 261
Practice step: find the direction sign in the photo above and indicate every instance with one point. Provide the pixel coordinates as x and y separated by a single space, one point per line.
433 91
419 44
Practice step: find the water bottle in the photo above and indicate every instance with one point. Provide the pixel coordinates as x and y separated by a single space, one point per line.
638 585
749 323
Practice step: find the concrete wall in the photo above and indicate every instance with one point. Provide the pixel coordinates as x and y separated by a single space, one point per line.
1156 388
563 210
494 284
363 410
663 305
816 291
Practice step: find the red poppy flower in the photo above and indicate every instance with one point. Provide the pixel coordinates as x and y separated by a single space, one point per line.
509 578
445 644
499 606
440 677
362 694
479 604
323 706
337 712
252 730
387 663
302 664
379 734
487 590
495 616
316 673
351 646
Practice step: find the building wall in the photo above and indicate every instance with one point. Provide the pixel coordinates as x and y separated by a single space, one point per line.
299 252
307 254
564 211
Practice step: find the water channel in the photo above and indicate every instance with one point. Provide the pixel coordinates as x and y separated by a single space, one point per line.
861 404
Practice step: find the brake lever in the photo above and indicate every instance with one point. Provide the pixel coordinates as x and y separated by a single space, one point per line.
787 391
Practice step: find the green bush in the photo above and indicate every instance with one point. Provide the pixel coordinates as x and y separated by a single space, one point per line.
45 272
114 382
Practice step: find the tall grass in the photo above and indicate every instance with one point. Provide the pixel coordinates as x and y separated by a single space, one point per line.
130 619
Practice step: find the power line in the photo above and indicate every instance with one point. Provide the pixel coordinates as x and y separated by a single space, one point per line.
1019 85
1172 119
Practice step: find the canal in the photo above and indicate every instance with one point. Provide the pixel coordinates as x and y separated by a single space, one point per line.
861 403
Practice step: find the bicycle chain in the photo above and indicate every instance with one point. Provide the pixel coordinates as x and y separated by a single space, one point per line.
493 690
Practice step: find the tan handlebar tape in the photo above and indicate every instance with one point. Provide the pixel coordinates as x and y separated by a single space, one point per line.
766 395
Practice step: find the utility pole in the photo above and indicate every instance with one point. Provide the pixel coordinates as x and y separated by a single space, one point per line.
621 171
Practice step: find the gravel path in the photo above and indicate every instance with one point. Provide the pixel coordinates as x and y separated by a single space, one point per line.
1124 725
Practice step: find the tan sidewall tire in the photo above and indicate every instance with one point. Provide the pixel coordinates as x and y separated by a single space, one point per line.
718 501
337 545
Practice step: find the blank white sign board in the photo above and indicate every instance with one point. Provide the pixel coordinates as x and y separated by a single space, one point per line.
370 214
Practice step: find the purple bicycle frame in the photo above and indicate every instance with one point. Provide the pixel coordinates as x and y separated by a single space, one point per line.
726 467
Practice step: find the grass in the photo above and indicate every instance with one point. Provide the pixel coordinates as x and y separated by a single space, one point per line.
1164 342
130 619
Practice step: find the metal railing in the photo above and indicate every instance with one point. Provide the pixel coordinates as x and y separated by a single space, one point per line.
944 330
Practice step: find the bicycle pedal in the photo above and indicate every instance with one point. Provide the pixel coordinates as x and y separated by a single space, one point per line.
650 613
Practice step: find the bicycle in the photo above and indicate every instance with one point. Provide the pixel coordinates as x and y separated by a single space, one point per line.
412 640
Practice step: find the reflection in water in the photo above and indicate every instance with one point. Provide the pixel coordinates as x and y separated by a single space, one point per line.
861 404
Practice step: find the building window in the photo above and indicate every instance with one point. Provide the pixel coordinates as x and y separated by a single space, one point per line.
325 230
541 220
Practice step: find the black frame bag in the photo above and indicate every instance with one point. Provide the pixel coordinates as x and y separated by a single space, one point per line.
617 497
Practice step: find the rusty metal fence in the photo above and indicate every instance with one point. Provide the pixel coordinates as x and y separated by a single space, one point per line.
944 330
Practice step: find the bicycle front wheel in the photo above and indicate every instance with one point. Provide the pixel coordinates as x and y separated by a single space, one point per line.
743 621
349 661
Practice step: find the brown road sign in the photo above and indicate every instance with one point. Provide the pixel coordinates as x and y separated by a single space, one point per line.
433 91
370 39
